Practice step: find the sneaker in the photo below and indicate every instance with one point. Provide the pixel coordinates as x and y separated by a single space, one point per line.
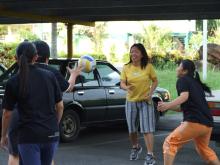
150 160
135 152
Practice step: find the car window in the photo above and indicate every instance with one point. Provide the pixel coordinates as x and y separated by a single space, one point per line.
7 74
89 79
1 71
108 75
60 66
85 79
55 66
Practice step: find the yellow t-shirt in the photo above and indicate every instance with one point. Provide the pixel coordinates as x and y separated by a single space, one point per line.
140 79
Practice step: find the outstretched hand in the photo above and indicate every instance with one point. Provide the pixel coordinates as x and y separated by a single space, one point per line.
73 75
163 106
76 71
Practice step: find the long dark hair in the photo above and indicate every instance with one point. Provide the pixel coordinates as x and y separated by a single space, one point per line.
190 67
145 58
25 52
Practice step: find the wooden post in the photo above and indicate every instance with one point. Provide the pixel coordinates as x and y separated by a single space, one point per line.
69 40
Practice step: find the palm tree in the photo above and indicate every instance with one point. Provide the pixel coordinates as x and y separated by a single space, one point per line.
155 39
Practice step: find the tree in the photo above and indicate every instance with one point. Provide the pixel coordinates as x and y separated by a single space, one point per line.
24 32
211 27
113 57
155 39
3 30
96 34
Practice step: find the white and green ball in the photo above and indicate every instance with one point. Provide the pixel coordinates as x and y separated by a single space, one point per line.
87 62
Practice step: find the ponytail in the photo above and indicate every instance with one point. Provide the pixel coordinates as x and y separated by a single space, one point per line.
23 75
25 53
190 67
204 86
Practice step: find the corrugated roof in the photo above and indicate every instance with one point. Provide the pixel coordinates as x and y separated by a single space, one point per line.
84 11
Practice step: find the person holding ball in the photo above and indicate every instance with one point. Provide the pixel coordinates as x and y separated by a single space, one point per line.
197 119
38 98
41 61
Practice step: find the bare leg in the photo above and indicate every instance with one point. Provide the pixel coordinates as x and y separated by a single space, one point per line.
168 159
149 142
52 162
134 139
13 160
214 162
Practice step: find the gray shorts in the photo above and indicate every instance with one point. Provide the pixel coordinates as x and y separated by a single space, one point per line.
146 115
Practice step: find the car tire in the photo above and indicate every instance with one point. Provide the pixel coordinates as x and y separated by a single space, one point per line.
69 126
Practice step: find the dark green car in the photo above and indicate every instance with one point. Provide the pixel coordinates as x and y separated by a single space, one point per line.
96 99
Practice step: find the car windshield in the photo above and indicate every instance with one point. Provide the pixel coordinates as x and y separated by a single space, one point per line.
2 69
1 72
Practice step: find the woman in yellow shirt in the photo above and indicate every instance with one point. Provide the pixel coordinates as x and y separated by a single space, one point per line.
139 79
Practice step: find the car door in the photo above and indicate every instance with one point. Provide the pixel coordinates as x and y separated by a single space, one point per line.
214 105
3 80
110 80
90 95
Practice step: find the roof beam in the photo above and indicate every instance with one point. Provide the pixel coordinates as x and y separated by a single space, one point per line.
42 18
58 4
84 12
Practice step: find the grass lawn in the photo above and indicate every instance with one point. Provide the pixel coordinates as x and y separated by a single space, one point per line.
167 79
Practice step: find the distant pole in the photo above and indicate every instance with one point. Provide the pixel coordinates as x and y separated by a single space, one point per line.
204 64
54 40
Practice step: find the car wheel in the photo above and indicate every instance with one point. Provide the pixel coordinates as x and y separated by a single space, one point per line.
69 126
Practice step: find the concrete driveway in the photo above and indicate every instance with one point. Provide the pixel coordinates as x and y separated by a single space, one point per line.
110 146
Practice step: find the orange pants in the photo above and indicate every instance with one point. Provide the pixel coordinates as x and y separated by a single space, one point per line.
186 132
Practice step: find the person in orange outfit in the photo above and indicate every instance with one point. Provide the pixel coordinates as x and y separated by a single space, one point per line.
197 119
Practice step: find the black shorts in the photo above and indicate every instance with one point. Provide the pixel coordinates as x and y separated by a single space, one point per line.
13 134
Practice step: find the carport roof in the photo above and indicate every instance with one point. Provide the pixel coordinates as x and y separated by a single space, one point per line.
85 11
